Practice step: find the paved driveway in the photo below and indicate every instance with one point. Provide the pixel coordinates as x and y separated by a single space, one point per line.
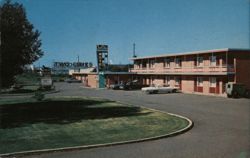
221 130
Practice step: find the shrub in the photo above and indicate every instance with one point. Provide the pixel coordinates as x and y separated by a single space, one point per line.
39 96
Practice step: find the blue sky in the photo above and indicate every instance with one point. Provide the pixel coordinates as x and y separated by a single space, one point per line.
74 27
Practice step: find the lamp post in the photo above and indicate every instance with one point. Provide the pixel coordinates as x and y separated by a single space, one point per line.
0 63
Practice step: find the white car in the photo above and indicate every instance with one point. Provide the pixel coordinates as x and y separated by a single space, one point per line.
159 89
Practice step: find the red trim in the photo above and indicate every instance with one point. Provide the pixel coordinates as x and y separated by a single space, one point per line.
199 89
218 60
180 84
211 89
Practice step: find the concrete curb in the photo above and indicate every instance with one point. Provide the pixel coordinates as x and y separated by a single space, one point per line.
27 94
51 92
25 153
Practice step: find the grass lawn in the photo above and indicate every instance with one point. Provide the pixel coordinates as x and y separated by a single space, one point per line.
29 83
68 122
28 78
25 89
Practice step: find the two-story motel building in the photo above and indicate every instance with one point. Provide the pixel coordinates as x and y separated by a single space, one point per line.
200 72
203 72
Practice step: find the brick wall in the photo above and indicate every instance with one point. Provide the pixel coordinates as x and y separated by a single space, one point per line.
243 68
187 84
92 82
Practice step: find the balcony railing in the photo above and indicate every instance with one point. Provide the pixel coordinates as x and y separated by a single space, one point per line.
187 70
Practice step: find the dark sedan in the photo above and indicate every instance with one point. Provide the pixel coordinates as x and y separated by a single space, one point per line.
73 80
133 85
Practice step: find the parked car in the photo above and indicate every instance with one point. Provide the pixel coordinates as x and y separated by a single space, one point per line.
133 85
117 86
46 83
154 89
236 90
73 80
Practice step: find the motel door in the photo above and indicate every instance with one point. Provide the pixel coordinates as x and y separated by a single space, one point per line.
195 84
217 86
180 83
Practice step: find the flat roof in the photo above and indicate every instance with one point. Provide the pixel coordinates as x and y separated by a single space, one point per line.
192 53
105 73
118 73
84 73
186 73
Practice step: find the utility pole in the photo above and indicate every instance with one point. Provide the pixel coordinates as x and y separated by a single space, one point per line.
78 63
134 56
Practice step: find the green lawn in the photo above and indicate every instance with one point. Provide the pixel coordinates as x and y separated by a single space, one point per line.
68 122
28 78
27 83
25 89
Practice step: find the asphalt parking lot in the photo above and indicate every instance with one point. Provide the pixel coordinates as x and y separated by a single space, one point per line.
221 126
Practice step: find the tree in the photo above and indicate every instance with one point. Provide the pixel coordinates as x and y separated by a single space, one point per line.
20 42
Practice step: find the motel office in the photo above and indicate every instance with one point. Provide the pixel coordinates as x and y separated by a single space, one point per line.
201 72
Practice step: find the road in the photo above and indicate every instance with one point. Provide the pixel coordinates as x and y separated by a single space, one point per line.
221 126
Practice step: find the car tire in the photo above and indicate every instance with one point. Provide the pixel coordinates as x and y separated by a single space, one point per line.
247 94
235 94
155 92
148 92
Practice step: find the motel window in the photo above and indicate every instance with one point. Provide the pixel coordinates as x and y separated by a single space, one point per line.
151 63
212 60
144 64
166 62
177 81
137 64
199 81
151 80
177 62
167 80
212 81
199 61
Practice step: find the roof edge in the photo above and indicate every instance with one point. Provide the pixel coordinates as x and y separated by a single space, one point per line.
193 52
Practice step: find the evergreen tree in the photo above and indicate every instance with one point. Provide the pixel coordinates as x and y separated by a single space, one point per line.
20 42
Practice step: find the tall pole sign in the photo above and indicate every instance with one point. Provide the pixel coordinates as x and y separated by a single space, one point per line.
0 62
102 57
